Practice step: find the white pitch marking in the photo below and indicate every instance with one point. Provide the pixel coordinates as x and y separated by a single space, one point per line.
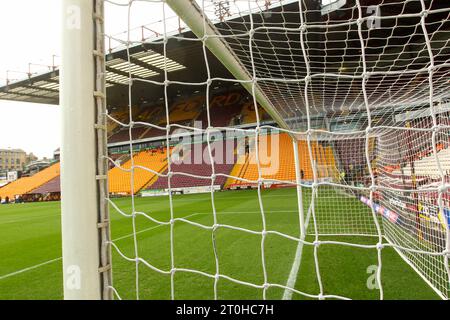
287 295
57 259
195 199
27 219
130 235
152 228
201 213
29 268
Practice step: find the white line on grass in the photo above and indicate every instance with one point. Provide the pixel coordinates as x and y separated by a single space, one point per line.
266 211
130 235
60 258
152 228
196 199
27 219
247 211
287 295
202 213
29 268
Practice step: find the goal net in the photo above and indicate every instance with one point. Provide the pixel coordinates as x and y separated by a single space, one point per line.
341 116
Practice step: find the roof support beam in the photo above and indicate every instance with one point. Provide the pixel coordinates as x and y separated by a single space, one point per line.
42 89
29 95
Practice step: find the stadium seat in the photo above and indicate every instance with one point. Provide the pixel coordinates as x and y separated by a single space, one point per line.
187 109
121 116
27 184
236 171
281 165
249 114
222 108
120 181
124 134
202 169
51 186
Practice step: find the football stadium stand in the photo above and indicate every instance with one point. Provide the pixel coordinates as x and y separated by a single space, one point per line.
124 134
224 108
351 152
426 166
119 180
121 116
249 115
231 108
53 186
186 110
188 165
143 114
27 184
237 171
152 114
279 164
152 133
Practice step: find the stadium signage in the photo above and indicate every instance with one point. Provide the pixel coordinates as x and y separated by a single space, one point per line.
385 212
397 203
12 176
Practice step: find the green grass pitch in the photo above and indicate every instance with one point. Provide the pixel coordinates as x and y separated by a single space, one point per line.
30 250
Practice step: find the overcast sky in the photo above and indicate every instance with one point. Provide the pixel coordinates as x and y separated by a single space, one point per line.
31 33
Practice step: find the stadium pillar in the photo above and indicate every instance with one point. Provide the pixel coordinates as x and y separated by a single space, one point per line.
80 204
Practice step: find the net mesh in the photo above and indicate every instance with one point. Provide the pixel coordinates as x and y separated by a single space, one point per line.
363 93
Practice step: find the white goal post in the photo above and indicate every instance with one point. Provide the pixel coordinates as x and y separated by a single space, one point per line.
85 224
370 93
